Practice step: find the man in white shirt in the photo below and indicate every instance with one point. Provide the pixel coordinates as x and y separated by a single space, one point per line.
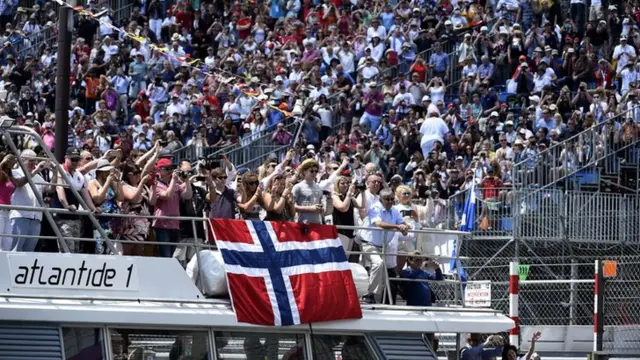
27 223
628 75
433 129
544 76
386 220
369 70
429 107
176 106
403 101
110 49
376 29
347 58
623 53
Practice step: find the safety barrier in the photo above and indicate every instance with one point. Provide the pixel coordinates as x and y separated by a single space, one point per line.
596 147
234 152
33 44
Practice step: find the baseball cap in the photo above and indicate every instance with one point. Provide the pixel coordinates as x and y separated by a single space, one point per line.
73 153
164 162
426 98
494 113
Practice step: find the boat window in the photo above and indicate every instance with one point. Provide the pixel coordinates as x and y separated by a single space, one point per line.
142 344
331 347
258 346
83 343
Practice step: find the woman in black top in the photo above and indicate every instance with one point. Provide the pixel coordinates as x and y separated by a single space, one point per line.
278 201
343 205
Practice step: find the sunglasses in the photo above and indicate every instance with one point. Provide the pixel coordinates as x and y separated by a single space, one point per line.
406 194
315 171
74 159
252 183
387 199
223 178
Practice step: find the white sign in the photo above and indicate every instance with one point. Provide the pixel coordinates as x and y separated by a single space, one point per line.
100 273
112 277
478 294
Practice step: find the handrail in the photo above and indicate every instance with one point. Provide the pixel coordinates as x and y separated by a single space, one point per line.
593 133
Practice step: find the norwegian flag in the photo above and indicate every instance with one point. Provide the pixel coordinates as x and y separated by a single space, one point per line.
285 273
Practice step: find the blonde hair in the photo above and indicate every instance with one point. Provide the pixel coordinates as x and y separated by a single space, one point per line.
400 189
336 188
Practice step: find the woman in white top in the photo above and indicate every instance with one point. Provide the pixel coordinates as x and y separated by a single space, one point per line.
436 89
409 213
377 48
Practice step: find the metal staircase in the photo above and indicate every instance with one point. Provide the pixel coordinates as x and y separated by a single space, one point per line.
590 160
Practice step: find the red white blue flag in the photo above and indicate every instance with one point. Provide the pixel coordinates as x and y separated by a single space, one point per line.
285 273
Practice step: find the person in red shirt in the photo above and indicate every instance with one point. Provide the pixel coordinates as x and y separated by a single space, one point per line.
142 105
184 16
210 102
244 26
604 74
419 68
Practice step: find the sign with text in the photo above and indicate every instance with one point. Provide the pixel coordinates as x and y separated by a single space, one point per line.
478 294
95 276
99 273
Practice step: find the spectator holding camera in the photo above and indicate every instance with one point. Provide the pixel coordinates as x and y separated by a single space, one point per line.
414 292
171 188
106 193
476 349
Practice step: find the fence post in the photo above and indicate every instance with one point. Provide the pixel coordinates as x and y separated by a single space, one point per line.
598 307
514 285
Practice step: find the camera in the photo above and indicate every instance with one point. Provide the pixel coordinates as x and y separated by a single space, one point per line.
184 173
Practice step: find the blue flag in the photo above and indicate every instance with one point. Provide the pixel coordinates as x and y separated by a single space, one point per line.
466 224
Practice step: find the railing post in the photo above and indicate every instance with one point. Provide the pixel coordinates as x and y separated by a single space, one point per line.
514 285
598 307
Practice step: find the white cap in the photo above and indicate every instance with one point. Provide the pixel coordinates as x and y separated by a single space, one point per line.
29 113
278 78
535 98
310 147
426 98
494 113
448 22
508 122
484 28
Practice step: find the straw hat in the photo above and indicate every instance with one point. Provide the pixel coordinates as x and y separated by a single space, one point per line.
307 164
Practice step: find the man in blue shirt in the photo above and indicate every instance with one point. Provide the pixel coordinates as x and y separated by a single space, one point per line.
414 292
439 62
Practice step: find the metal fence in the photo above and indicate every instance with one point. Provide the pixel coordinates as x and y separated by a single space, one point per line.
34 43
596 146
551 215
621 308
236 152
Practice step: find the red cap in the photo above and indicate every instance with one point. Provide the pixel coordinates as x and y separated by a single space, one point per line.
164 162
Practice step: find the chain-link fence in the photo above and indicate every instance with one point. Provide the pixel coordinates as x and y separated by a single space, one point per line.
621 307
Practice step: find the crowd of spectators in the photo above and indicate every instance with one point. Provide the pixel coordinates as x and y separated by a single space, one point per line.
402 106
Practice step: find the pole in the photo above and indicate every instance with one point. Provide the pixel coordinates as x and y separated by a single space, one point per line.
598 307
65 25
514 290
